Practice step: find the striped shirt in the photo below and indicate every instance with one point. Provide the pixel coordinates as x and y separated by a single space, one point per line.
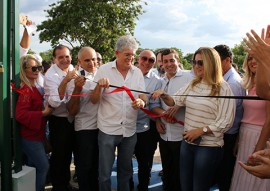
217 114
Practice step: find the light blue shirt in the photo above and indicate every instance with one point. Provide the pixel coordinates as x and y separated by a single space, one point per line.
235 82
152 83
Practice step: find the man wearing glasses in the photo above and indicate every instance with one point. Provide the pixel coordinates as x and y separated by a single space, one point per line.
147 135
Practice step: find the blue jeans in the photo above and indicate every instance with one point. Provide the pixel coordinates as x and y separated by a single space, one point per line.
198 166
37 158
125 148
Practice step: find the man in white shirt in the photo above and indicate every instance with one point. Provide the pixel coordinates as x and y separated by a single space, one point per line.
117 113
60 123
171 131
85 113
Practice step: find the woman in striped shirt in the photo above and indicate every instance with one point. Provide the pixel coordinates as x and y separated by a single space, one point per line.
206 120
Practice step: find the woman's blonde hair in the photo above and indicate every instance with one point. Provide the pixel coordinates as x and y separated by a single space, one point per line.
212 69
248 75
23 65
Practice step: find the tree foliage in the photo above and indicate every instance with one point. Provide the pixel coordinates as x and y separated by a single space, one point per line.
95 23
47 55
239 54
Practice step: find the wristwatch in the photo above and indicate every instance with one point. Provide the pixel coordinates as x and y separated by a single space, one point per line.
205 129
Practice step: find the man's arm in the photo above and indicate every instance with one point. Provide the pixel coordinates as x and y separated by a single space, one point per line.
73 105
97 92
63 85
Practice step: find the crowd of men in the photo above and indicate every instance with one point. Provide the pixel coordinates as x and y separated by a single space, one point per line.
97 124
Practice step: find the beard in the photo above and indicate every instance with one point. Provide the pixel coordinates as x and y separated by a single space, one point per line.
161 70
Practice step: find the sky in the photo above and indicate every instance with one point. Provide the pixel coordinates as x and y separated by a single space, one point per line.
185 24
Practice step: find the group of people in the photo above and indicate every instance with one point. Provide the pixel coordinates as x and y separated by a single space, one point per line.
102 113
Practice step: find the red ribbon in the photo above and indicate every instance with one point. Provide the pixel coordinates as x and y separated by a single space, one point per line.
148 112
120 89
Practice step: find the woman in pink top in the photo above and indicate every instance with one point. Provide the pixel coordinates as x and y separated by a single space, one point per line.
254 132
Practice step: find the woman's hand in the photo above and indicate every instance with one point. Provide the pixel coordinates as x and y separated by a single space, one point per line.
192 135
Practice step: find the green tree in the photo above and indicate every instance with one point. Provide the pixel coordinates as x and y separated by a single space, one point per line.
95 23
239 55
188 57
47 55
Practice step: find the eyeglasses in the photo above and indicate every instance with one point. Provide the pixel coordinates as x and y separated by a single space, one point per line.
150 60
35 68
99 59
198 62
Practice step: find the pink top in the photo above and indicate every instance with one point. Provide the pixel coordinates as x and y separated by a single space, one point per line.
254 110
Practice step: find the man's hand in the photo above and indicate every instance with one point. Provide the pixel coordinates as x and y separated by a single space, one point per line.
79 83
160 126
104 82
71 75
138 103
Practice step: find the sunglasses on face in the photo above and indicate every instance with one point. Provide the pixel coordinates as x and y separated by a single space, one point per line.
249 58
150 60
35 68
198 62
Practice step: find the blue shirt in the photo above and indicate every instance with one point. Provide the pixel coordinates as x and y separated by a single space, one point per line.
235 82
152 83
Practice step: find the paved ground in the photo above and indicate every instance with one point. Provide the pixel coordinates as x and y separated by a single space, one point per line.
156 160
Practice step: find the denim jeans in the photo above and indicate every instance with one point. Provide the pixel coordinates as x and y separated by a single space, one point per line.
198 166
37 158
125 148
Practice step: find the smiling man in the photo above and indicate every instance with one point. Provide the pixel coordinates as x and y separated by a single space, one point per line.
117 113
147 135
169 130
60 124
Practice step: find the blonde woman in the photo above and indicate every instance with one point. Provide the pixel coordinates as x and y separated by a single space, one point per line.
254 132
206 120
31 114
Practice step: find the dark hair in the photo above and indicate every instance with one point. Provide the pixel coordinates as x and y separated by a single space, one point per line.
46 65
59 47
224 51
176 55
159 52
169 51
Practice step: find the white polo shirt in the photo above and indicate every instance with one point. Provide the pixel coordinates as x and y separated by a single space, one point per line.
115 114
86 119
53 79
